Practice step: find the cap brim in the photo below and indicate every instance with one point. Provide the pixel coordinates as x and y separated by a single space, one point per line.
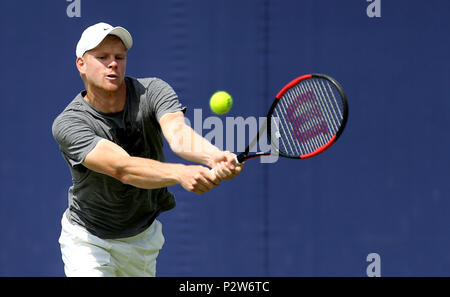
123 34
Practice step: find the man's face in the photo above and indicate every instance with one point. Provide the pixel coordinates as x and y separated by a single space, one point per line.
104 66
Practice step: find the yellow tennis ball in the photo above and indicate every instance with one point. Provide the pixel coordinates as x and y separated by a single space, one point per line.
220 102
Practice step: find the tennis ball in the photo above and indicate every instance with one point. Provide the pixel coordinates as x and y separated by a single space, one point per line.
220 102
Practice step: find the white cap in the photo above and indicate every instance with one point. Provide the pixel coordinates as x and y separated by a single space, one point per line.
95 34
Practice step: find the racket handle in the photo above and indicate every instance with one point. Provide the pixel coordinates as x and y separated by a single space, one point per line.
237 161
240 159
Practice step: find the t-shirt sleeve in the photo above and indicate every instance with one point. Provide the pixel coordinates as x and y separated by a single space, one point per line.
163 98
74 136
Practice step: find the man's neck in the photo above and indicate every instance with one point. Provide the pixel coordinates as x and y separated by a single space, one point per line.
107 102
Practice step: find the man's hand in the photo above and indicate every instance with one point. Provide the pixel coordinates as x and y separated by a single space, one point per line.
224 165
197 179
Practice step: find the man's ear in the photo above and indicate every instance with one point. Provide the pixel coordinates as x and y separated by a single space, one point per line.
81 65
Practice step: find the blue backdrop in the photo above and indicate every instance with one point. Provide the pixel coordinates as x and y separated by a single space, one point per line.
383 188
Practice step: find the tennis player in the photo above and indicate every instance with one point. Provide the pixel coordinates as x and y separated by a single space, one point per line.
111 136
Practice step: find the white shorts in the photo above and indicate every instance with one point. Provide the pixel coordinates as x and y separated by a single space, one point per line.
85 254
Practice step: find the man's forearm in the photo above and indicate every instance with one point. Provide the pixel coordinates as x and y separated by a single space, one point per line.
186 143
110 159
192 147
149 174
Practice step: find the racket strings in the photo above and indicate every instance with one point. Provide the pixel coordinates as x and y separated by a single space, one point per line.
310 114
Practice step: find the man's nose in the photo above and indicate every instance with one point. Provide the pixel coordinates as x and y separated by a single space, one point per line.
113 64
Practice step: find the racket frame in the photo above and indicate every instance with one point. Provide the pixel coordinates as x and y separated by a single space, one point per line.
247 155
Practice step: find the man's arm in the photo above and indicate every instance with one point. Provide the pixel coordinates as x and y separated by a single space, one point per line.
110 159
189 145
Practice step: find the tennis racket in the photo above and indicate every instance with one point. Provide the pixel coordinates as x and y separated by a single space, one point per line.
308 116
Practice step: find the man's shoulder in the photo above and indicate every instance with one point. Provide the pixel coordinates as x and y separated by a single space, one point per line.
75 109
75 105
145 82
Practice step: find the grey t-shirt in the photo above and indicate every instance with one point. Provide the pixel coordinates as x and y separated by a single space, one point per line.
103 205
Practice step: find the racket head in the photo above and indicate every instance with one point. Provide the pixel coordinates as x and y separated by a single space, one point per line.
308 115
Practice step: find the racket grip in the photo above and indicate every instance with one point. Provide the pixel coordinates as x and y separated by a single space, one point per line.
240 158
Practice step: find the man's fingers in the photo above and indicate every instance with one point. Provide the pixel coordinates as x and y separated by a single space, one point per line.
215 176
207 181
200 179
231 160
221 171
